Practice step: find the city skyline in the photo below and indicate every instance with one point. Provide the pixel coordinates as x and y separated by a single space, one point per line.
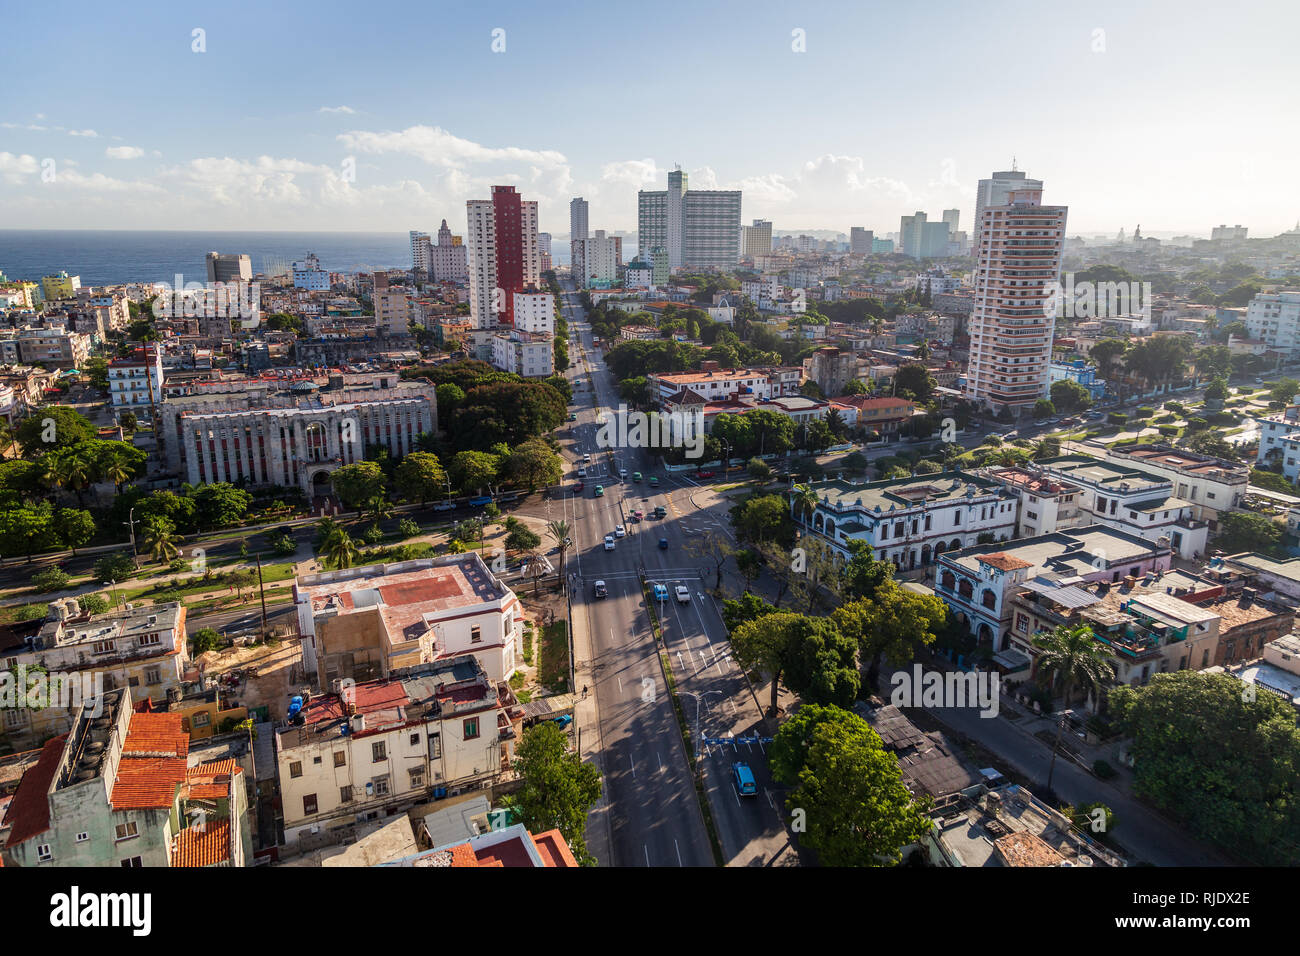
363 149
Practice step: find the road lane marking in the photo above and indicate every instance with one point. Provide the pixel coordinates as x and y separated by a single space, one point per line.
679 853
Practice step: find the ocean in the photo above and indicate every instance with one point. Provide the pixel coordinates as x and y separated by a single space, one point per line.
107 257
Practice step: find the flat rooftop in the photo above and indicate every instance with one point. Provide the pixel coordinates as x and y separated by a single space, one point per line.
901 493
1076 551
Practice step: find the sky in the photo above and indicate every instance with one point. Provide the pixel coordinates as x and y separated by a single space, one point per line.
387 116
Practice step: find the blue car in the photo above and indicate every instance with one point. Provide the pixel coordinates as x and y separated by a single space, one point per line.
744 778
563 720
663 544
480 501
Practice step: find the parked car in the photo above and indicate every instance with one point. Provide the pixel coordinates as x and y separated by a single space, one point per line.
582 472
601 590
563 720
636 476
744 779
480 501
660 511
663 544
586 458
661 592
654 481
706 474
609 542
445 506
683 594
578 486
573 416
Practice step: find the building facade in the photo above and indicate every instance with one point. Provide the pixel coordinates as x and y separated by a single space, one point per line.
502 254
698 228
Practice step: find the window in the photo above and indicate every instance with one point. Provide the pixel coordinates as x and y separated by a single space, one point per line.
989 599
43 853
475 634
295 769
471 728
150 640
435 746
965 589
103 647
417 777
202 719
378 751
340 758
315 761
132 863
381 785
127 831
345 794
956 517
415 740
83 836
1022 624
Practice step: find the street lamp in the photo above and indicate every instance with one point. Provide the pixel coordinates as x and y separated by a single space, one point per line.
726 465
130 523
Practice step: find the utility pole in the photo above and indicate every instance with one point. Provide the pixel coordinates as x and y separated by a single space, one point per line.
262 592
130 523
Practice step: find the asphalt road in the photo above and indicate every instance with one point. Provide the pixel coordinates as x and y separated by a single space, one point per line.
655 814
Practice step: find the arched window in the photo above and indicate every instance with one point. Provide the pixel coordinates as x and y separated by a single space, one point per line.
949 580
965 589
988 598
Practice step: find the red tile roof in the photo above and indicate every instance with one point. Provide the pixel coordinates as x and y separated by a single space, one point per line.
1004 562
147 783
202 846
29 811
156 735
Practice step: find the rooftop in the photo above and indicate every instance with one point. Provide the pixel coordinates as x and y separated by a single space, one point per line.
1077 551
902 493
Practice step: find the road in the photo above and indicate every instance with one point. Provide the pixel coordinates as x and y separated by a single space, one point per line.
655 815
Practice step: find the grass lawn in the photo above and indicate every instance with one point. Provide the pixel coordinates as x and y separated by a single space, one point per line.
553 672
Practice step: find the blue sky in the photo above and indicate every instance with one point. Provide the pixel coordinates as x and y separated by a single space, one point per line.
1176 115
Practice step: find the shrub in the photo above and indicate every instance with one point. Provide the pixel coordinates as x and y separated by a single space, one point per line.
33 612
205 639
93 603
114 567
285 546
51 579
408 528
1103 770
1116 418
1144 412
1197 424
373 535
1168 430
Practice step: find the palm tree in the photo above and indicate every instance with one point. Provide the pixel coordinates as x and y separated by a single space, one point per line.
340 550
559 531
380 507
117 471
1072 655
8 438
159 539
325 529
68 471
804 500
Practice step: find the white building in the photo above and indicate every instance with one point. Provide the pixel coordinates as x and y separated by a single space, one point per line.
535 312
757 239
595 260
638 275
393 310
529 354
995 190
137 380
1275 318
421 252
698 228
502 253
308 275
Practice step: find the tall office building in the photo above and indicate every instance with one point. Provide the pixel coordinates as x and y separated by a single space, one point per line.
421 252
578 219
502 254
1017 267
448 257
229 267
544 263
757 239
922 239
994 191
860 240
951 217
699 228
596 260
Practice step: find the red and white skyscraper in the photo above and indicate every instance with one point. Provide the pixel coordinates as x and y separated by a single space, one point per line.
502 254
1017 269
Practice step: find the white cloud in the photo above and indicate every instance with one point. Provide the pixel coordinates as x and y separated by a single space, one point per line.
89 133
14 168
124 152
438 147
27 126
336 109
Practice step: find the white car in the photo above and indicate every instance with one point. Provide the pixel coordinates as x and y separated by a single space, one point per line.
586 458
609 542
683 594
582 472
622 472
619 531
444 506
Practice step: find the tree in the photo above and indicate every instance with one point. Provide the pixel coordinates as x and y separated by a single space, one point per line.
1220 756
760 472
1243 531
50 579
748 607
205 639
420 476
1044 408
1158 359
408 528
73 527
763 518
52 427
894 624
559 790
863 575
534 465
241 578
821 663
473 470
112 568
522 538
27 529
92 603
762 645
1068 396
1072 657
219 505
340 550
748 565
1285 391
858 811
714 549
1106 354
914 381
358 484
559 533
788 754
511 412
1217 391
159 538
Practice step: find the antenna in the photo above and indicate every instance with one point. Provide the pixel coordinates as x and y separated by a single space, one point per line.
1013 164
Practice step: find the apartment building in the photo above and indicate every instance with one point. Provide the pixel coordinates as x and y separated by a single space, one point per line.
143 650
977 582
595 260
530 354
59 286
117 791
884 416
55 347
502 254
910 521
1274 317
366 622
307 274
377 747
832 369
136 381
698 228
1212 485
718 384
757 239
1017 268
229 267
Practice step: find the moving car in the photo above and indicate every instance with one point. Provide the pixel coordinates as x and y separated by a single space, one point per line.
619 531
706 474
683 594
660 511
654 481
480 500
586 458
601 590
578 486
609 542
445 506
573 416
663 544
636 476
638 515
582 472
661 592
744 779
600 491
622 472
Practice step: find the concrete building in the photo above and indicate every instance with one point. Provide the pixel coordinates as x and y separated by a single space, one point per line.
449 257
60 286
58 348
757 239
136 381
502 255
995 190
422 252
229 267
595 261
1275 319
375 748
367 622
117 791
910 521
698 228
393 310
1211 485
578 215
308 275
530 354
922 239
860 241
1228 233
718 384
638 275
1018 264
535 312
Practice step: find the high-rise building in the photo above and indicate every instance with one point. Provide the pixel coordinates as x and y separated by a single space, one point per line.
421 252
757 239
1017 268
1274 317
951 217
309 275
578 218
229 268
994 191
922 239
595 260
502 254
860 240
448 257
699 228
